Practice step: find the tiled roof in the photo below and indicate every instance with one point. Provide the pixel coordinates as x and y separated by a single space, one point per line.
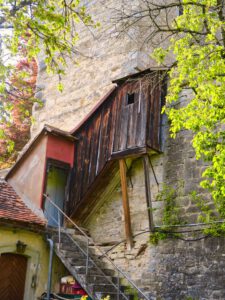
12 208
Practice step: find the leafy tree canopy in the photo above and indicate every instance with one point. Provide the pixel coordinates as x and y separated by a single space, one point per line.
197 40
27 29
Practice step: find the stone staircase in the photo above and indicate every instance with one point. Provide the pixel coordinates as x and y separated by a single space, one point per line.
85 263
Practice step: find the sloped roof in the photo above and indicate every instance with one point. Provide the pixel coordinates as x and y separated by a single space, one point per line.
13 209
47 129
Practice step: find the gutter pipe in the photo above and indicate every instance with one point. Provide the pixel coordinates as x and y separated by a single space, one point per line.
50 268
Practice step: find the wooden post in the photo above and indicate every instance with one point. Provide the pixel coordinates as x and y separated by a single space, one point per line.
145 160
126 208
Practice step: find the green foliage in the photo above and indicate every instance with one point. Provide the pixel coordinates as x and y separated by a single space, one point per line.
199 50
48 29
157 236
209 216
170 213
131 291
171 210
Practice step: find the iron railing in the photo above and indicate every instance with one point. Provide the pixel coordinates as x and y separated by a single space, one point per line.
90 261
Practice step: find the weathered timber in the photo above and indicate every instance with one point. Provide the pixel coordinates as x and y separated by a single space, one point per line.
91 198
145 160
126 208
115 129
132 152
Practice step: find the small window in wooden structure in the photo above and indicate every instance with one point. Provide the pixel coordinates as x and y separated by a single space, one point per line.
130 98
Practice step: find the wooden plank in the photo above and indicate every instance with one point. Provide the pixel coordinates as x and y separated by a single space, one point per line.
114 104
86 162
132 130
75 196
94 152
124 128
126 208
95 189
162 103
109 130
128 153
149 97
105 138
141 123
92 149
156 117
146 167
144 117
99 145
82 160
119 100
150 137
138 130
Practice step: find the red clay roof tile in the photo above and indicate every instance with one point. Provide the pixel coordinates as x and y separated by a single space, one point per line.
12 208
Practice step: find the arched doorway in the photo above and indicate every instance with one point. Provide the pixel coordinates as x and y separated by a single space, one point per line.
13 268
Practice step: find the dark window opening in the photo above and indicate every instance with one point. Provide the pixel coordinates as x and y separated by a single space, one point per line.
130 99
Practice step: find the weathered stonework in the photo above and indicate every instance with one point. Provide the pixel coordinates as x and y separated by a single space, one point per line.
101 56
173 269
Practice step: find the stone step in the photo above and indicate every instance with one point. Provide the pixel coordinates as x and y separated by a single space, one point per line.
72 254
103 288
72 231
114 296
68 247
80 262
99 278
93 271
77 255
107 287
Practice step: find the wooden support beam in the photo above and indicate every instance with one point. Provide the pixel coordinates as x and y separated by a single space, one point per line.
126 207
146 167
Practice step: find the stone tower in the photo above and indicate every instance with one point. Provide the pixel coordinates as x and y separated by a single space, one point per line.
188 267
101 56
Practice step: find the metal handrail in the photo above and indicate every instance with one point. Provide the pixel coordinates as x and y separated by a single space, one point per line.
88 259
103 254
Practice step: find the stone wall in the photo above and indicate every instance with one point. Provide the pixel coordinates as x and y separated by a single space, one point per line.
173 269
182 268
102 55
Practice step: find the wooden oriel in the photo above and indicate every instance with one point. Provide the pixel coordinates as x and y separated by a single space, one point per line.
126 207
118 127
145 160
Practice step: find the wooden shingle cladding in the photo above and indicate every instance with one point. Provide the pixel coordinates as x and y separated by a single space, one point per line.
126 123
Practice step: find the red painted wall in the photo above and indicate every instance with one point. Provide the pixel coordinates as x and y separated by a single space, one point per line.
60 149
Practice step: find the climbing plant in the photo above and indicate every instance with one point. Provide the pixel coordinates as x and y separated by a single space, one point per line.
170 213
